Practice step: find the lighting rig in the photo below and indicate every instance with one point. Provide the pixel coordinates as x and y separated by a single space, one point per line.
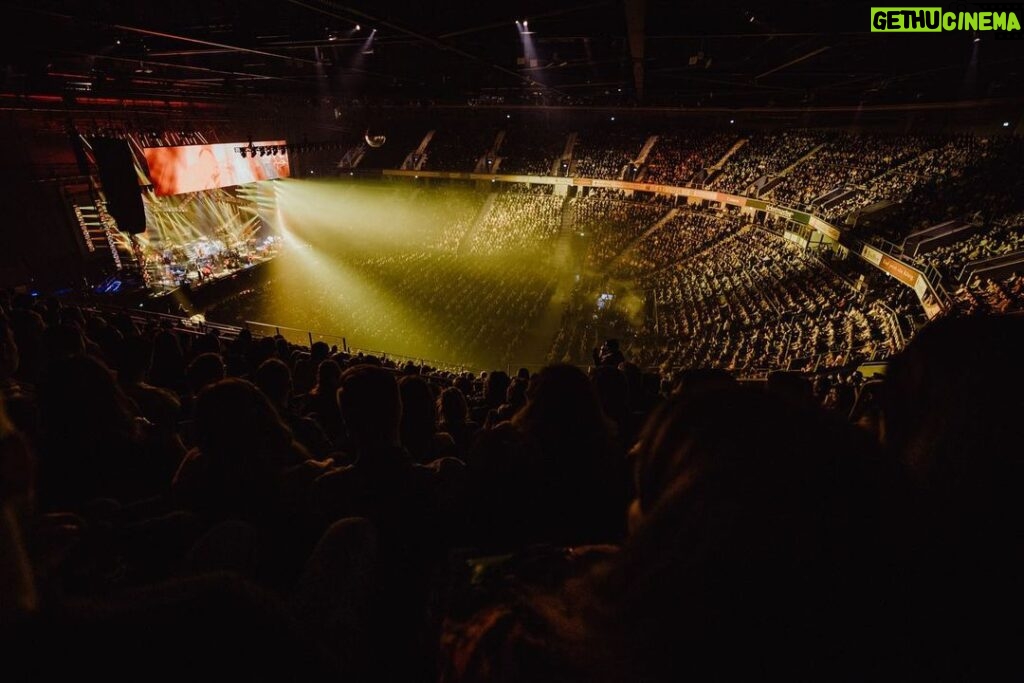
252 150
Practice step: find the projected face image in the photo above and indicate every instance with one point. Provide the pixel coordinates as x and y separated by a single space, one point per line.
193 168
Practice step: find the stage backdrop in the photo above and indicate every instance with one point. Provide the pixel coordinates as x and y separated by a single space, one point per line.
191 168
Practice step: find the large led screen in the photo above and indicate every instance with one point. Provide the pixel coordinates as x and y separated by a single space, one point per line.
191 168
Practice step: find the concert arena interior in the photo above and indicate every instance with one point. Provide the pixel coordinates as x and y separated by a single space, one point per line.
599 341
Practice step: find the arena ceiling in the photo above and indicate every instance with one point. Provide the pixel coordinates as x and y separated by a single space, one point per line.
591 52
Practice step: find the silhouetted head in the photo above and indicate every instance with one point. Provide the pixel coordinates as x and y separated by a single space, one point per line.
275 380
612 390
319 351
516 394
242 440
328 376
419 417
953 406
495 388
234 417
562 408
453 407
757 523
80 401
371 406
791 386
204 370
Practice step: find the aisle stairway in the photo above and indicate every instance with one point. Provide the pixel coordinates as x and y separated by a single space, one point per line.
649 231
467 239
711 172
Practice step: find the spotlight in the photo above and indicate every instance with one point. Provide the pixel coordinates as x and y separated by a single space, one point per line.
732 120
612 118
508 116
526 24
977 39
358 27
1006 124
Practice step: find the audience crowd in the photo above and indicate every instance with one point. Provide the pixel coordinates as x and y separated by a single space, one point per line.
180 504
755 301
458 149
606 152
520 219
682 159
613 223
530 150
688 231
763 154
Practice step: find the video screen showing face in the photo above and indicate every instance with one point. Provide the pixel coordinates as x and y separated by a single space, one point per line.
192 168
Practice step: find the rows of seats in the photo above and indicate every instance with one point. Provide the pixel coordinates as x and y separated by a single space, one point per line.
755 301
604 151
930 177
689 231
763 154
1000 239
845 159
988 295
612 223
677 159
531 150
452 149
520 219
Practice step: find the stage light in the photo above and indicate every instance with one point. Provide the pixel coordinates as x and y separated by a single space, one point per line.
358 27
732 120
612 118
1006 124
526 25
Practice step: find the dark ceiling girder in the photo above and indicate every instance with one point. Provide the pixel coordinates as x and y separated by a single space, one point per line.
801 58
636 14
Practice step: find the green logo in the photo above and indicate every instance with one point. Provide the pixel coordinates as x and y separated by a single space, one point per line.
934 20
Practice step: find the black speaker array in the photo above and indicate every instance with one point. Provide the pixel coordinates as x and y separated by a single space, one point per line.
120 186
